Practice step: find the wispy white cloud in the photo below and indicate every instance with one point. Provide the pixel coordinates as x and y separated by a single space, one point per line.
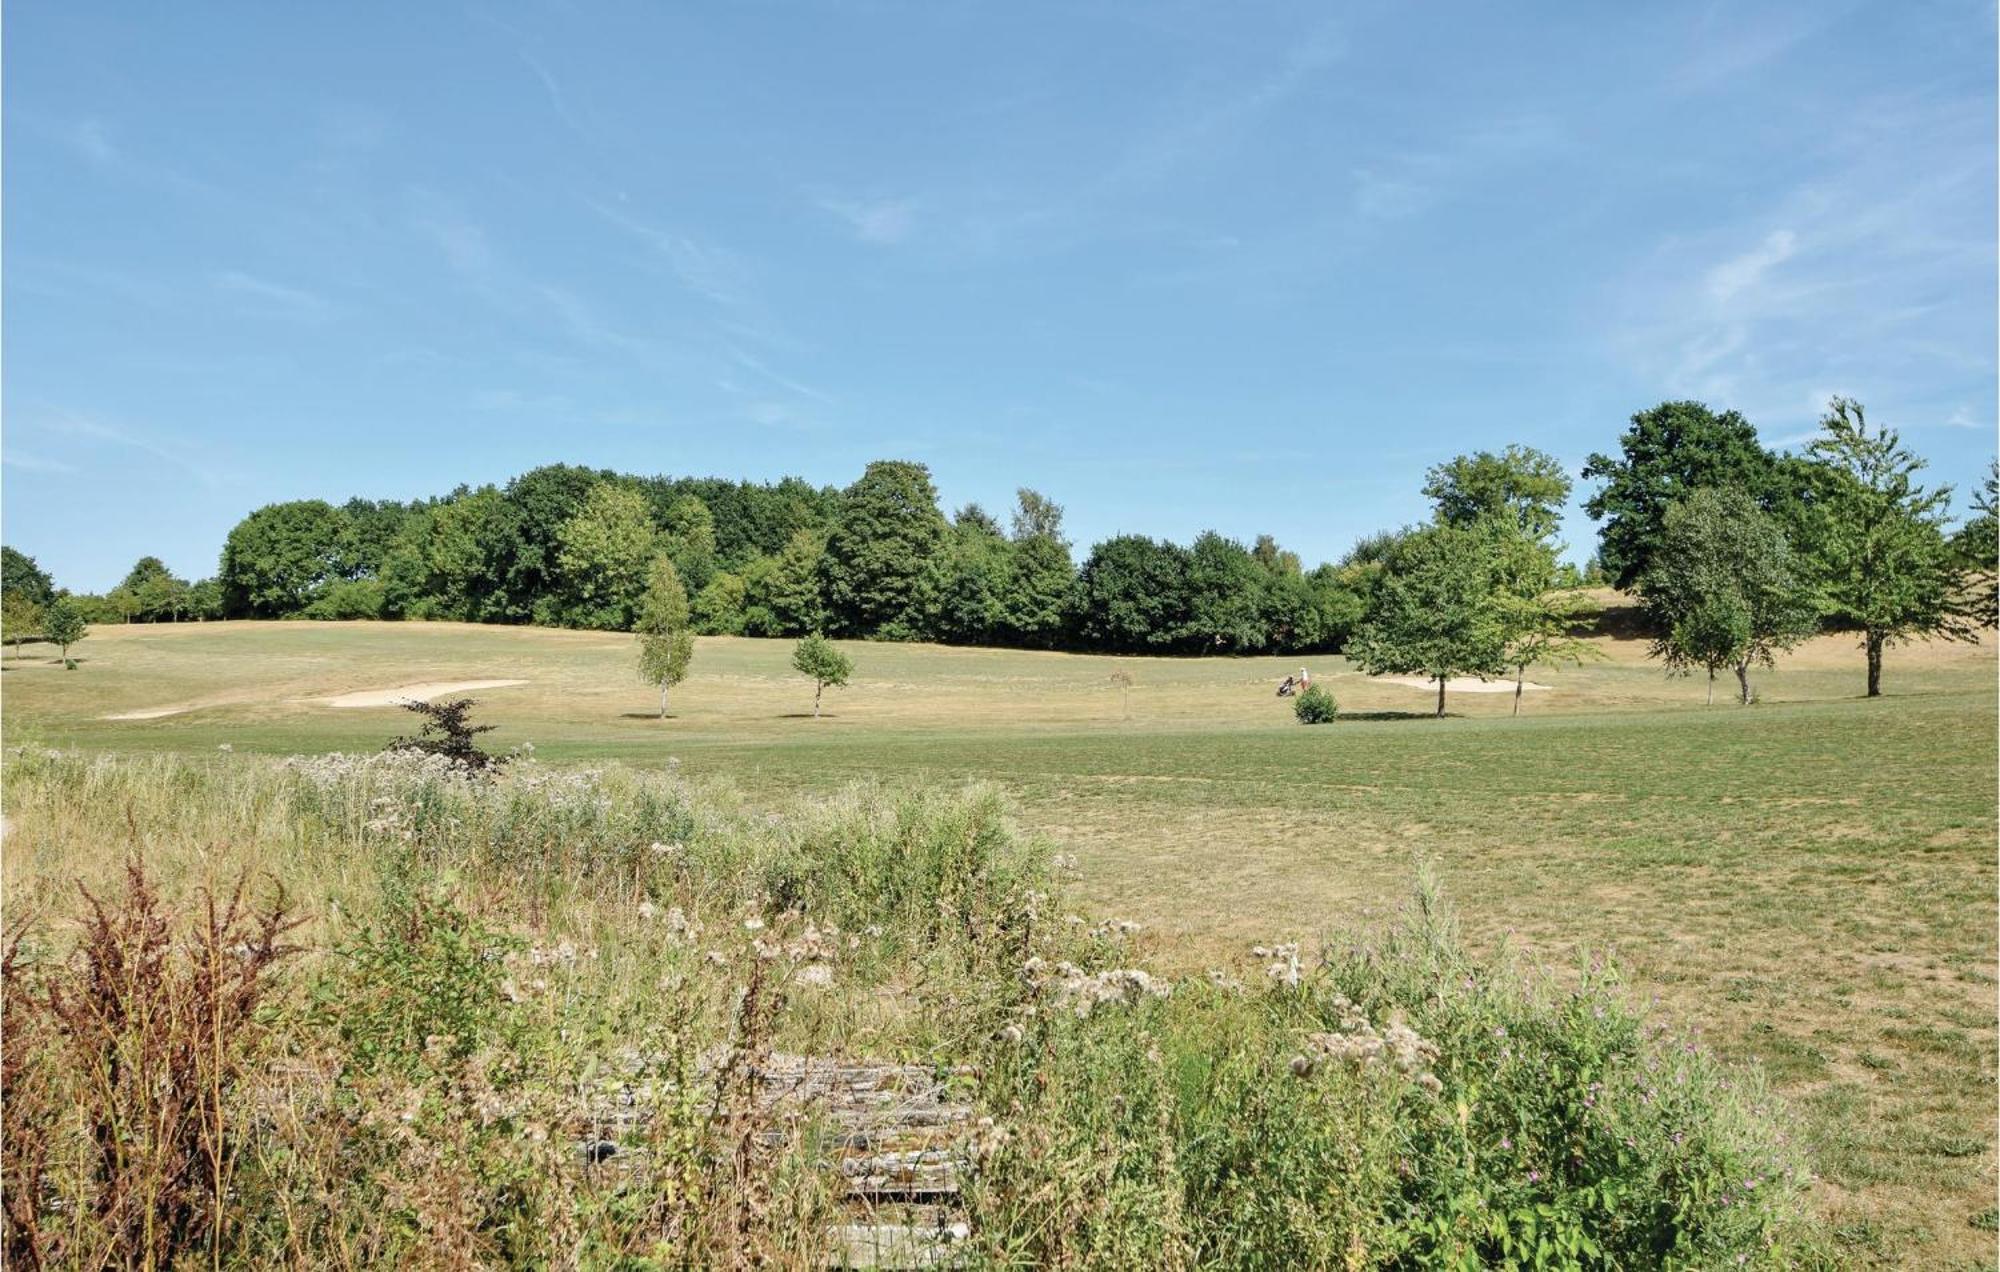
14 457
1741 273
273 298
883 222
709 271
197 461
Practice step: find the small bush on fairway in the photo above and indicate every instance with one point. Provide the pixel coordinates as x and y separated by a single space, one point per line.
513 978
1315 706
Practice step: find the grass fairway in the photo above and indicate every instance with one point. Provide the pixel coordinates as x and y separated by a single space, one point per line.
1812 880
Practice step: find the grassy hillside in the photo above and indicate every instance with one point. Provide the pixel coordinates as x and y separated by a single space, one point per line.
1811 882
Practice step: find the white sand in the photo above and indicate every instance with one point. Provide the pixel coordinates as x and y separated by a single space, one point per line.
150 713
1458 684
420 692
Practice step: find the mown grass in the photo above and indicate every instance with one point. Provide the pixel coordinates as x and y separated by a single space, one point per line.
1811 882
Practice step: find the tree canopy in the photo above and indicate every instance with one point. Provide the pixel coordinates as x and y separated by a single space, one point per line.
1437 612
1888 564
1674 448
1725 588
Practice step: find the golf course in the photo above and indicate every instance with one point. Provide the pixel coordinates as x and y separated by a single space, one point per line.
1804 884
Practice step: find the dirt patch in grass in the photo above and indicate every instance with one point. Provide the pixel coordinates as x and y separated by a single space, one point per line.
421 692
1457 684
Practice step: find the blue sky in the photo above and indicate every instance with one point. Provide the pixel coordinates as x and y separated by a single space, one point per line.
1178 266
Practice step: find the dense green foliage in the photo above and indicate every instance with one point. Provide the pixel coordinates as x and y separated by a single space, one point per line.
20 576
571 546
1315 706
1725 589
1668 451
1438 612
1888 562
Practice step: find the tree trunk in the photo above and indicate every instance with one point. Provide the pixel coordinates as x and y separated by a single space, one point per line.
1440 714
663 700
1520 676
1743 682
1875 643
819 687
1711 687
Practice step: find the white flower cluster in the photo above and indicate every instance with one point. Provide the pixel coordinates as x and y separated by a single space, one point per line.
1282 962
1084 992
1359 1045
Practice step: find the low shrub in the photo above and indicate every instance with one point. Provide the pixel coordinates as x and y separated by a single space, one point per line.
1315 706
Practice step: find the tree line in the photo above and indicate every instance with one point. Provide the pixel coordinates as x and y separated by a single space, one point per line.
1736 552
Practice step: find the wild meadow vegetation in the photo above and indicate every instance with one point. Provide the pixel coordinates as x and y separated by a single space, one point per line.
524 990
381 1010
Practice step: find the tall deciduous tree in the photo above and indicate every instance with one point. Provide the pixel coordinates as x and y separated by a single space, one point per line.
816 658
1726 589
1888 566
606 552
887 528
666 641
1038 597
279 558
1668 451
1541 631
689 539
20 576
1520 485
1437 610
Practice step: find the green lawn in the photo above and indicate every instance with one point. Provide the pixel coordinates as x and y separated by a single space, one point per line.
1812 880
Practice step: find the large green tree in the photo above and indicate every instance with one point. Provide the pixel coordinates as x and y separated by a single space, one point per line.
1437 609
1887 561
1674 448
688 535
1224 610
1134 594
20 576
1725 589
887 528
1520 485
1038 598
782 593
604 556
279 558
666 640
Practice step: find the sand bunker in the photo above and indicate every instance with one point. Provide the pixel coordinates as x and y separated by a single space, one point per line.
1458 684
420 692
150 713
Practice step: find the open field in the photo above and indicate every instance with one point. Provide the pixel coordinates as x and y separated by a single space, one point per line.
1812 881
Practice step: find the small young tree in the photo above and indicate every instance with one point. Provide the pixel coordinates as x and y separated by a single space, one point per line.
666 642
817 658
1123 679
63 625
448 733
1540 630
1888 566
1437 611
1725 589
